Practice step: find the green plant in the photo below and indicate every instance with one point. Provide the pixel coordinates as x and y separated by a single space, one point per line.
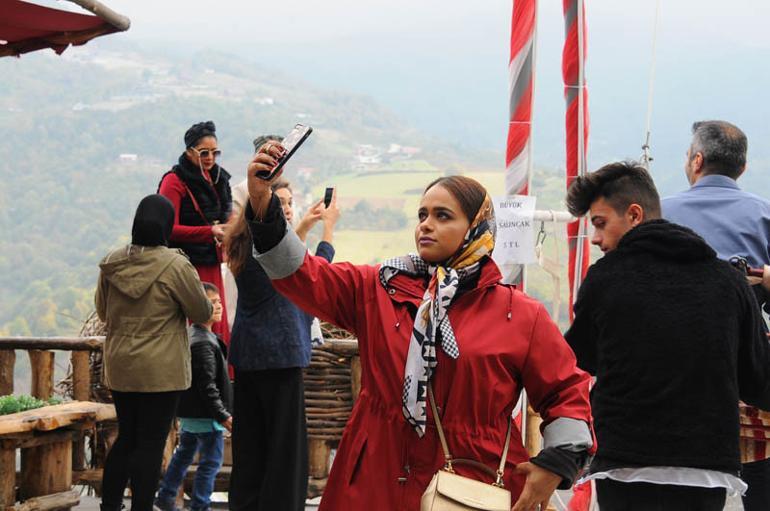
14 404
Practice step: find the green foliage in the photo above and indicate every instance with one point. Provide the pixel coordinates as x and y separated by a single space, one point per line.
15 404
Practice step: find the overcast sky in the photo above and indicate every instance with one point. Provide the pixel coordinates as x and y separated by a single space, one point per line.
442 64
736 21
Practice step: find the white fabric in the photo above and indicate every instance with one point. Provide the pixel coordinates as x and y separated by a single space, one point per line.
678 476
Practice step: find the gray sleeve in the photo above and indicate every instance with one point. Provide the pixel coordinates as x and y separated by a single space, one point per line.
283 259
566 433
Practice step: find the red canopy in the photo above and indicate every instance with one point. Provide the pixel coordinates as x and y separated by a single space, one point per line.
26 27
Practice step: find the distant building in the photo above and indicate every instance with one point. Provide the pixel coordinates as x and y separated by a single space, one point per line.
367 154
397 152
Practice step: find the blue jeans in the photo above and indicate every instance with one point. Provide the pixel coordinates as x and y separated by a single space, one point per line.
211 447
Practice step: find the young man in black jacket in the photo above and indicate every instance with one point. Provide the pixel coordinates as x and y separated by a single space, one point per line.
204 415
674 338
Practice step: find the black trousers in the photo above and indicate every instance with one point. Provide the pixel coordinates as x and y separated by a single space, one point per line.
144 420
617 496
757 476
270 460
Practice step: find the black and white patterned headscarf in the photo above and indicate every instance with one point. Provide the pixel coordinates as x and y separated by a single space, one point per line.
431 323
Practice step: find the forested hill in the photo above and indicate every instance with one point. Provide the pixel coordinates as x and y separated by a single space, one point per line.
68 195
86 135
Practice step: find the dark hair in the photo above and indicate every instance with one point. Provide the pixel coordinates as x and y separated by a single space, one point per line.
260 140
468 192
281 183
620 184
198 131
722 145
210 288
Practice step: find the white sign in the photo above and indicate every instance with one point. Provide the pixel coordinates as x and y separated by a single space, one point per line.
515 242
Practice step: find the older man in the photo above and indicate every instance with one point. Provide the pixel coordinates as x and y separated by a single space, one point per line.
674 338
735 223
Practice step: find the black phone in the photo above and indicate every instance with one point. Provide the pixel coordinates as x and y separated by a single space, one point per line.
328 196
291 143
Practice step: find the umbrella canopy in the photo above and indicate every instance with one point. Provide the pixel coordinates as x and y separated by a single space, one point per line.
26 27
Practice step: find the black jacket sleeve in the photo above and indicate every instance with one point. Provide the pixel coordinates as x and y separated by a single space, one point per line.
753 354
271 230
562 462
204 367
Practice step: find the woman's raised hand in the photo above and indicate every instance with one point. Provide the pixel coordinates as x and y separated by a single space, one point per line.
538 488
264 160
309 219
329 216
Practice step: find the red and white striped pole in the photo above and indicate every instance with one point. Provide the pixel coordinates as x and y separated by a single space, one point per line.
521 68
576 95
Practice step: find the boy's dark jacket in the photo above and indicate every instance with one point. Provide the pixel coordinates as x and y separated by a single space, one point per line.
209 396
675 338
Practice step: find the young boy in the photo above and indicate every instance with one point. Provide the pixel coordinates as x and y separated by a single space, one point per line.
203 413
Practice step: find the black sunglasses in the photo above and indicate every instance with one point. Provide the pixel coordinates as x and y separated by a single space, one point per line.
204 153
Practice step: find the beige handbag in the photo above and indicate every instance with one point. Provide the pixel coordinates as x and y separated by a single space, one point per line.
448 491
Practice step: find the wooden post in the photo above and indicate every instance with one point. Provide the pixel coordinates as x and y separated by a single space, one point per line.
355 376
7 363
534 442
81 375
42 373
7 477
81 391
46 469
318 456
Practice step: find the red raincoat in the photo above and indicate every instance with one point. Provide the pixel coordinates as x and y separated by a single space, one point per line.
507 342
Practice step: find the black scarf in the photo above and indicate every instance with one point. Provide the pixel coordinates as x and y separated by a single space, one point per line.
216 203
153 221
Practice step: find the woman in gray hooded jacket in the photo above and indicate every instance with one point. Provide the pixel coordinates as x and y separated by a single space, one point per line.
145 294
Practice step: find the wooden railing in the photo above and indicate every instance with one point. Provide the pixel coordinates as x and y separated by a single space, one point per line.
51 439
41 358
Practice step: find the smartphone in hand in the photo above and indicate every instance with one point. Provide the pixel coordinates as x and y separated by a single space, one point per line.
328 196
291 143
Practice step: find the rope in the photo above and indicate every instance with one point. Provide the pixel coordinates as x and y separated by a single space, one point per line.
646 154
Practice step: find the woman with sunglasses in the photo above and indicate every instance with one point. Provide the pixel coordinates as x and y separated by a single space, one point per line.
440 319
200 191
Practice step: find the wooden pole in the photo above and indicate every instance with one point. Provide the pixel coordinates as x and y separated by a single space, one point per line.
81 375
355 376
42 373
318 456
64 500
534 442
81 391
7 363
113 18
7 477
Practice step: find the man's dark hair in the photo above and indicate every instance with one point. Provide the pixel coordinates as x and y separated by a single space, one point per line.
620 184
210 288
722 145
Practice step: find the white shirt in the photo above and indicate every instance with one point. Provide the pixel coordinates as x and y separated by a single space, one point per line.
678 476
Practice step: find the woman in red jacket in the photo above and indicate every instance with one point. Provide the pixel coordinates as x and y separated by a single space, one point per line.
443 316
200 191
